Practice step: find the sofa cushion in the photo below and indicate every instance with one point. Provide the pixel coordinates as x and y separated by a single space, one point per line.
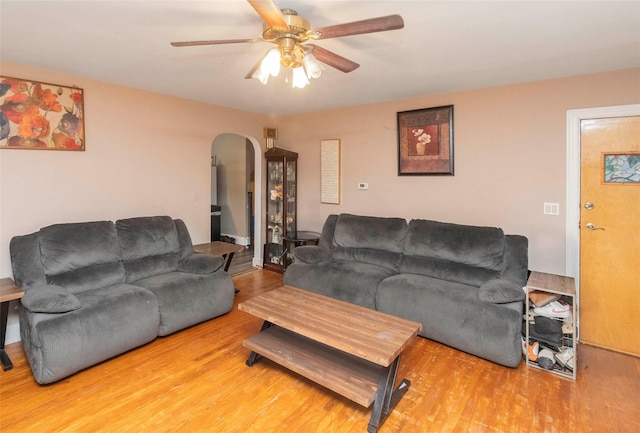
500 292
187 299
376 233
353 282
469 245
373 240
81 256
50 299
111 321
463 254
451 313
149 246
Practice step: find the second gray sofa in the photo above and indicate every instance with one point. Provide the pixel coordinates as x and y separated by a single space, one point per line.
94 290
463 283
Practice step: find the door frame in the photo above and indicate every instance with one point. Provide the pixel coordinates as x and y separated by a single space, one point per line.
574 118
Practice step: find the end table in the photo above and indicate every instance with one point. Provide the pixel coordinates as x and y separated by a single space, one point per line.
8 292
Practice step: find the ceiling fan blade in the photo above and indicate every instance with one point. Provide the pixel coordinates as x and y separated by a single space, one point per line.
381 24
332 59
215 42
270 14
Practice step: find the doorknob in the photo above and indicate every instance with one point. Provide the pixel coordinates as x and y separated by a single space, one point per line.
592 226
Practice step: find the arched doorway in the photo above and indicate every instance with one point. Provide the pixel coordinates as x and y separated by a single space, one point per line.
247 147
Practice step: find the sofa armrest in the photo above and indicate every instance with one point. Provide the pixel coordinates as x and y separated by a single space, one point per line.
311 254
500 291
200 264
50 299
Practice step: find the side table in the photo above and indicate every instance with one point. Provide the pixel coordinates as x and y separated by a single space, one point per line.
295 239
219 248
8 292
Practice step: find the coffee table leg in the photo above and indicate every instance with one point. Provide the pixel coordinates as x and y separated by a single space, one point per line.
254 357
386 397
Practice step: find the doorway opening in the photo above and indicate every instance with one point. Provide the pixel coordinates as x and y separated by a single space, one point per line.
236 187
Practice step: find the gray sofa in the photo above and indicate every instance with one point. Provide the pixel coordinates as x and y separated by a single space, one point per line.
463 283
94 290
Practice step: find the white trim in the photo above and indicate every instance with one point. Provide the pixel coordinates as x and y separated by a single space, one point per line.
258 192
13 333
574 118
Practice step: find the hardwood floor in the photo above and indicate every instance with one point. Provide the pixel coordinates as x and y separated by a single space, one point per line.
196 381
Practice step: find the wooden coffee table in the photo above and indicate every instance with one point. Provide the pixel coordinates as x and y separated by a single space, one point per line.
351 350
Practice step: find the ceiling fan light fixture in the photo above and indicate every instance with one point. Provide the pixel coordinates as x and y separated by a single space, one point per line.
271 62
300 79
261 76
311 66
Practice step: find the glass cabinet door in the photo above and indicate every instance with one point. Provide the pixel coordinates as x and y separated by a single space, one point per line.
281 218
291 198
275 209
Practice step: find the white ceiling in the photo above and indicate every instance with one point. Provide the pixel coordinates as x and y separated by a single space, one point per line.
444 46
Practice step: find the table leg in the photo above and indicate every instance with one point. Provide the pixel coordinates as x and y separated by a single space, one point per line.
227 261
254 357
386 397
4 315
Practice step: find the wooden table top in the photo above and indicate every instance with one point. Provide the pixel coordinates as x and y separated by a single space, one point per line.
365 333
217 248
9 290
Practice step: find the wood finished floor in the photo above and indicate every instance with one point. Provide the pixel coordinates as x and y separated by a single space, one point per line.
196 381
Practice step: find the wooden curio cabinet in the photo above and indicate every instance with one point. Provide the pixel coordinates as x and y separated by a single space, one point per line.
282 168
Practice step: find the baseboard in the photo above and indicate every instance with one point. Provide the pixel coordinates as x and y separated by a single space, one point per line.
13 333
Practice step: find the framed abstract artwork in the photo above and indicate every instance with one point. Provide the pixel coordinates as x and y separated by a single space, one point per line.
425 141
37 115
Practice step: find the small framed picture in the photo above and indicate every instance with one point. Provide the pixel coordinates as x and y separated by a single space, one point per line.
425 141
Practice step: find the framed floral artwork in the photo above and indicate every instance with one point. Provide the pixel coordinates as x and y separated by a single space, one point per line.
37 115
425 141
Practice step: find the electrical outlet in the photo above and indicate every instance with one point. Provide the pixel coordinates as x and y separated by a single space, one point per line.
552 208
363 185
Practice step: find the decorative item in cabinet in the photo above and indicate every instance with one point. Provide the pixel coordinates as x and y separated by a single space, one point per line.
550 324
281 208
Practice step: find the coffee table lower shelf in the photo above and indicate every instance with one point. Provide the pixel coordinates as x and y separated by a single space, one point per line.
355 378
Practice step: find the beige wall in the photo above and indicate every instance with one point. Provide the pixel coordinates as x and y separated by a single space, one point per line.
147 154
509 146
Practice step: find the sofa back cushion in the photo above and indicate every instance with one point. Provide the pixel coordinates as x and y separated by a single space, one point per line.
81 256
149 246
464 254
374 240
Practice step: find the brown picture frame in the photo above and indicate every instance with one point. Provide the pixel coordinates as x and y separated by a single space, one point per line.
40 116
425 141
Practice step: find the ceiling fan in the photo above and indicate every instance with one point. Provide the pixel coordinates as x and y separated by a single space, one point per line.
291 34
